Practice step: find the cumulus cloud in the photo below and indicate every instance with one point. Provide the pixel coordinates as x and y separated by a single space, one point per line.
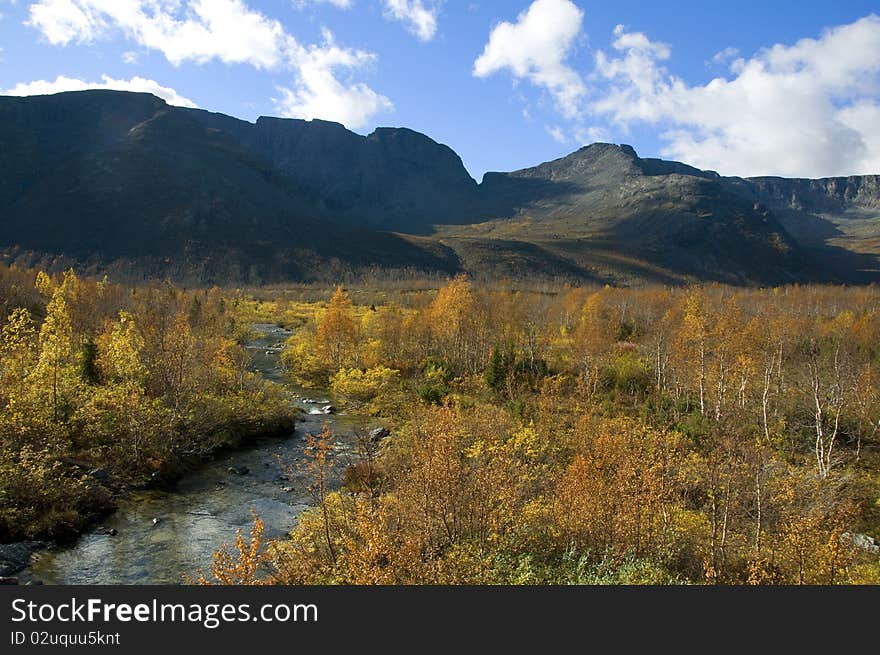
229 31
421 18
198 30
318 94
536 48
135 84
863 117
808 109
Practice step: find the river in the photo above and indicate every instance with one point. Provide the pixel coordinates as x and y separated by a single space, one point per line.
206 507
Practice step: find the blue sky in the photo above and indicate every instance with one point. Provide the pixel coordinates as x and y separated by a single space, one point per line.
507 84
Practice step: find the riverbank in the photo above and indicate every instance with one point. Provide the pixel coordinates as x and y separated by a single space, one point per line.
15 556
106 489
106 492
204 507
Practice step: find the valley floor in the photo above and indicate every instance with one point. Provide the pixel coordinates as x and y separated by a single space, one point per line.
550 435
654 436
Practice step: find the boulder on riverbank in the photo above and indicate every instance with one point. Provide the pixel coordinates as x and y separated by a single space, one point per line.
326 409
863 541
15 557
102 475
378 434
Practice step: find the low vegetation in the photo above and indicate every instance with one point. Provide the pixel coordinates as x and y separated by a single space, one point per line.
103 388
556 435
695 435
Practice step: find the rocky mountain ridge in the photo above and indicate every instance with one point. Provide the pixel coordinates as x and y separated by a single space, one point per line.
124 183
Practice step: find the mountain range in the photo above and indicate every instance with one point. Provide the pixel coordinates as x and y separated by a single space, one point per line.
125 184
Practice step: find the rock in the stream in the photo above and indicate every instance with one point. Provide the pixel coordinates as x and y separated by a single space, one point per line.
287 490
155 522
863 541
110 532
378 434
328 409
239 470
102 475
15 557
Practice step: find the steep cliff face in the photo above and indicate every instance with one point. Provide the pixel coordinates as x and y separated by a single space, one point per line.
124 182
835 194
147 179
42 132
392 179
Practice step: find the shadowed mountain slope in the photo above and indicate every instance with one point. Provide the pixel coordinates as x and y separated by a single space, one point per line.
123 183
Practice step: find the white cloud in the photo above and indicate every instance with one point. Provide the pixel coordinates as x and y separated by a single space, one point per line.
536 48
130 57
419 17
318 94
198 30
808 109
587 135
557 133
864 118
135 84
723 56
229 31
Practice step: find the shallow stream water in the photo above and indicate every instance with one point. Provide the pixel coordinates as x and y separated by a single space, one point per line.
206 507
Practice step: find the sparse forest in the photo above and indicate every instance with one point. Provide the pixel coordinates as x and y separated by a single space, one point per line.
105 388
546 436
693 435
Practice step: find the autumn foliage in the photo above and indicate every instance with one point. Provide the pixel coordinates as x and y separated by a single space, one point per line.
702 435
558 435
137 383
